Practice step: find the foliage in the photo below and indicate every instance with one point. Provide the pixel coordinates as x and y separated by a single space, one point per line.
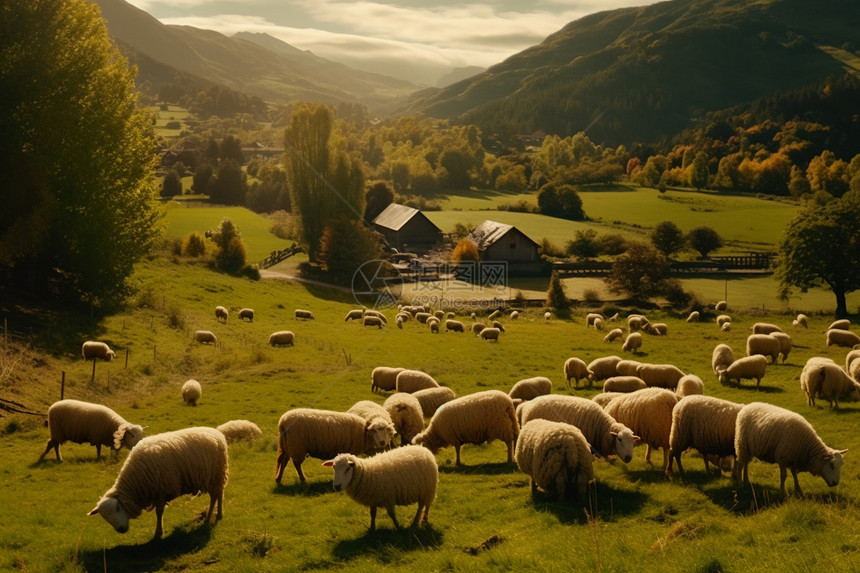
556 297
379 196
465 250
281 224
668 238
345 245
202 179
193 245
640 273
229 185
271 193
230 255
704 240
584 246
172 184
560 201
612 244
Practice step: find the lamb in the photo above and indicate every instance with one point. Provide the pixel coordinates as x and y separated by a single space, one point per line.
613 318
690 385
454 325
693 316
613 335
221 313
784 344
602 368
372 321
764 328
648 413
591 317
354 314
823 378
840 337
204 337
80 422
431 399
410 381
764 344
398 477
304 314
91 350
473 419
246 314
722 357
191 392
494 314
384 378
632 343
406 415
722 319
556 456
721 306
801 320
605 398
660 375
530 388
490 334
841 324
163 467
322 434
704 423
745 367
282 338
240 430
478 327
623 384
575 368
776 435
378 422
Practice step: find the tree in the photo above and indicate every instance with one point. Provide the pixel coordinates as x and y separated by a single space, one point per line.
172 184
640 273
560 201
556 297
76 156
465 250
202 178
378 197
698 171
230 184
585 245
230 256
668 238
821 246
345 245
704 240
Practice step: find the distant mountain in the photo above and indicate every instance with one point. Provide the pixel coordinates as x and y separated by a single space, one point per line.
458 74
639 74
255 64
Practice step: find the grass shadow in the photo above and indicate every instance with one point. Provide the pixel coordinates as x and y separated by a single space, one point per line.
307 489
387 545
482 469
609 503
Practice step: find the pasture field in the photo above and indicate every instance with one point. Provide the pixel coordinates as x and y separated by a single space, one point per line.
484 518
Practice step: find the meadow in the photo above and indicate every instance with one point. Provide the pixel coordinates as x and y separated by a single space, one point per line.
485 517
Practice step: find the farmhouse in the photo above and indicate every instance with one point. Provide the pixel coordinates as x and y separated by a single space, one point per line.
505 243
407 229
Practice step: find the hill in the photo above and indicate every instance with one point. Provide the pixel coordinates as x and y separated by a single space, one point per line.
637 74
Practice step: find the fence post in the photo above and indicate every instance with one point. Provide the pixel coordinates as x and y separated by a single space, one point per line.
63 385
126 359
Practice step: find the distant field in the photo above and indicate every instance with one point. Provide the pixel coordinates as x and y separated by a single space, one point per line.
163 117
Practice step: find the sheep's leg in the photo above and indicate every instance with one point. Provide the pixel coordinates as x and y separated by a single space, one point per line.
647 453
391 514
457 449
298 466
426 518
98 451
373 518
510 451
212 499
797 489
677 457
281 464
48 446
534 487
417 519
667 462
782 475
159 512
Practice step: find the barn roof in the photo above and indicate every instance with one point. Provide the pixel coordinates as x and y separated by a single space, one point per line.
395 216
489 232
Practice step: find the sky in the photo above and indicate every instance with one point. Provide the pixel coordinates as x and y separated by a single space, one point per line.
411 39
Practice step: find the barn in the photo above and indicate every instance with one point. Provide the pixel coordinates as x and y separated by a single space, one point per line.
505 243
407 229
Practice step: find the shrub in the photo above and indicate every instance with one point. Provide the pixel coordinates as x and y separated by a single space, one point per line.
556 297
193 245
591 296
466 250
281 224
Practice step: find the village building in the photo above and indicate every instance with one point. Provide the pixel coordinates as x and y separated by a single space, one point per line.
407 229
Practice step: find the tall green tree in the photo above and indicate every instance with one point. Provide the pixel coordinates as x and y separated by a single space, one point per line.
377 198
76 154
704 240
668 238
172 184
821 246
641 273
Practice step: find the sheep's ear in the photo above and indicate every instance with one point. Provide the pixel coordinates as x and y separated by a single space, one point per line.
613 434
351 463
94 511
636 438
328 463
842 451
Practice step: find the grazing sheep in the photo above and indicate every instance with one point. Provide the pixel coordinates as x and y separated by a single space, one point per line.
494 314
722 357
575 368
591 317
690 385
627 367
840 337
221 313
632 343
841 324
530 388
372 321
602 368
555 456
191 392
80 422
304 314
613 318
422 317
656 329
515 314
823 378
648 413
722 319
764 328
398 477
490 334
204 337
282 338
852 356
410 381
454 325
432 398
370 312
473 419
748 367
598 324
91 350
322 434
801 320
354 314
613 335
693 316
547 315
433 323
398 320
721 306
635 322
606 435
440 314
384 378
163 467
725 327
246 314
378 422
406 415
478 327
776 435
764 344
704 423
240 430
403 316
784 344
624 384
660 375
605 398
499 325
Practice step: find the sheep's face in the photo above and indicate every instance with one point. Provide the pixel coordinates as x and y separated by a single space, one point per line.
344 468
132 436
624 442
112 511
832 467
380 433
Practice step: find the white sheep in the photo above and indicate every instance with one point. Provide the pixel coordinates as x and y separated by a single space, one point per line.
602 368
721 306
433 323
656 328
478 327
635 322
454 325
240 430
704 423
530 388
605 398
721 358
431 399
246 314
439 314
689 385
613 335
764 328
624 384
204 337
422 317
377 420
776 435
591 317
490 334
823 378
221 313
547 315
575 368
801 320
473 419
499 325
606 435
515 314
841 324
648 413
850 358
722 319
598 324
304 314
748 367
191 392
725 327
784 344
322 434
80 422
371 312
384 378
91 350
406 415
163 467
693 316
660 375
765 345
398 477
282 338
632 343
372 321
354 314
410 381
555 456
627 367
398 320
841 337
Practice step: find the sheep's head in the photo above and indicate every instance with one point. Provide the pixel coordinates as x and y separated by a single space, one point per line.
344 469
380 432
112 511
624 440
110 355
127 435
831 467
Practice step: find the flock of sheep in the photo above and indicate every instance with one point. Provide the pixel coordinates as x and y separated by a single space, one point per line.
553 438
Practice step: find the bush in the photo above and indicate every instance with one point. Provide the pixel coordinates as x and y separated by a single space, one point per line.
281 224
556 297
232 258
193 245
591 296
466 250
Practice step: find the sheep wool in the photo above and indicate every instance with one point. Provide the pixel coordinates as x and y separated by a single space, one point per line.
764 328
354 314
454 325
221 313
721 358
602 368
378 424
473 419
784 344
92 349
304 314
478 327
80 422
704 423
530 388
410 381
490 334
431 399
660 375
721 306
632 343
841 337
649 414
406 415
163 467
555 456
240 430
372 321
282 338
384 378
722 319
693 316
763 344
841 324
624 384
204 337
850 358
779 436
575 368
398 477
605 398
823 378
591 317
613 335
745 367
627 367
246 314
802 320
689 385
191 392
